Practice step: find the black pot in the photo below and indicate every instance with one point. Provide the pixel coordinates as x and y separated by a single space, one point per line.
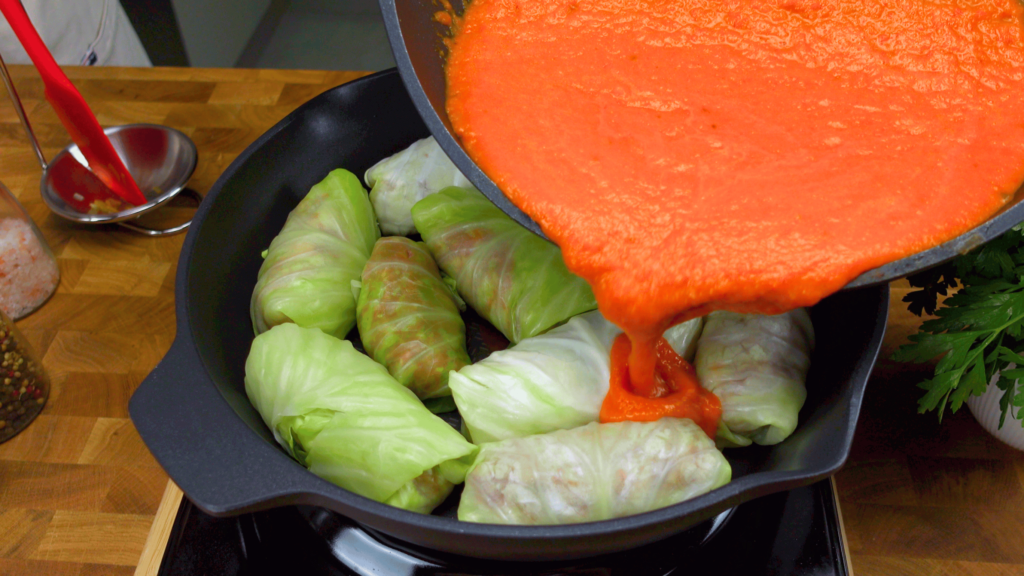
193 414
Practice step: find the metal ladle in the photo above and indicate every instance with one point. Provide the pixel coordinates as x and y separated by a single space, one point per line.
159 158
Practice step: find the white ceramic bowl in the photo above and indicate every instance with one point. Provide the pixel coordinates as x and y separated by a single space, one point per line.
986 411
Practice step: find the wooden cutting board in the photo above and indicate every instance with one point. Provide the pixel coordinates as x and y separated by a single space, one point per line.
78 489
79 492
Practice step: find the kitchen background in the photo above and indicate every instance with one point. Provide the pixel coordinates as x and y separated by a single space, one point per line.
293 34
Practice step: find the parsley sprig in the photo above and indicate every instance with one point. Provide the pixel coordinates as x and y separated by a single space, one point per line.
978 332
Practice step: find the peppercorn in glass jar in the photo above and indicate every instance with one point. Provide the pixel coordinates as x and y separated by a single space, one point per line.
24 386
28 270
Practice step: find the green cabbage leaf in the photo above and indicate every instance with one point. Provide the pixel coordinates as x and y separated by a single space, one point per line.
683 337
408 317
513 278
400 181
757 366
594 472
554 381
308 270
345 418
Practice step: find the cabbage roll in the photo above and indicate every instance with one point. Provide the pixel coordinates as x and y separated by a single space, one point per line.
757 366
594 472
400 181
408 319
307 272
513 278
554 381
345 418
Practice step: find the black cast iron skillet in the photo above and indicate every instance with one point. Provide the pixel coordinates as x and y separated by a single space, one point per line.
417 39
193 414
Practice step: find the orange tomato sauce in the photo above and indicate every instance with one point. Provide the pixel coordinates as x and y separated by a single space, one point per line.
749 155
677 392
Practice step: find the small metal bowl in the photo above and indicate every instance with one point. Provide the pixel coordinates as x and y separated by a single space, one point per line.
159 158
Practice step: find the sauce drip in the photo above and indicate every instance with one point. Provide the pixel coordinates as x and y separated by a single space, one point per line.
748 155
676 392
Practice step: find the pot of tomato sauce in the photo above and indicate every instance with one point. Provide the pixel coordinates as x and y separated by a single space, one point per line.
423 32
692 156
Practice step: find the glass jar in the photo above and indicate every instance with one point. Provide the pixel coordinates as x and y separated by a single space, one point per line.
24 386
28 270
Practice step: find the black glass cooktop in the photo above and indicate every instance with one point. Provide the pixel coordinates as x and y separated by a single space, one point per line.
793 533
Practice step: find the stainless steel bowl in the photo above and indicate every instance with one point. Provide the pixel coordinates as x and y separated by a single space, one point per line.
159 158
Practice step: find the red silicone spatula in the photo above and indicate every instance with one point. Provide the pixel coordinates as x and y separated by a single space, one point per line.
71 108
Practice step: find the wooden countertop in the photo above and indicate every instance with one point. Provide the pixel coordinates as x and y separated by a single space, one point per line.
79 491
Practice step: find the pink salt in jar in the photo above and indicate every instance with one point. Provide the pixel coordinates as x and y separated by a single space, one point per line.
28 270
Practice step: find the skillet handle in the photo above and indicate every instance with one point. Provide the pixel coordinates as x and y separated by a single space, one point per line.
207 449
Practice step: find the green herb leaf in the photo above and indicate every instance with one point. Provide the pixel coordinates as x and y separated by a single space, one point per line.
974 382
1009 356
933 282
976 332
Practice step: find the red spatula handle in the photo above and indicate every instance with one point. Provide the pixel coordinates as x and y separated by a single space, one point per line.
71 108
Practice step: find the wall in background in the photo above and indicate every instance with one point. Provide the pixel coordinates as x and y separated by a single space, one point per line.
216 32
158 29
321 35
309 34
338 6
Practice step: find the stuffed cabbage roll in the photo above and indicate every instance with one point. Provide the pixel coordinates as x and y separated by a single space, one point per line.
554 381
400 181
307 272
594 472
408 319
757 366
510 276
345 418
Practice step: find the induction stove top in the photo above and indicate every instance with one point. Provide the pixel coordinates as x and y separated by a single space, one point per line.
795 533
